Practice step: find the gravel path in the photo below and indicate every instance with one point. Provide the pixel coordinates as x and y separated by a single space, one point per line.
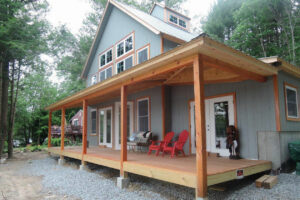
100 183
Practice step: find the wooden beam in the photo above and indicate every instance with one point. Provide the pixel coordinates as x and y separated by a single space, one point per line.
163 111
62 129
215 63
123 129
49 128
84 128
276 101
201 160
175 74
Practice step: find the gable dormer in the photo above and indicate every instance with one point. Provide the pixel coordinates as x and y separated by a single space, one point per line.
170 16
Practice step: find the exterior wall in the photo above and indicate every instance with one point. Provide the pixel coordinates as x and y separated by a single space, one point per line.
155 107
118 26
158 12
255 110
287 125
273 146
168 45
77 116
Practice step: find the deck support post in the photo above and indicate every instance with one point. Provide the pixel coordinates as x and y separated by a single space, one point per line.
201 160
49 129
61 160
123 179
163 112
84 134
62 129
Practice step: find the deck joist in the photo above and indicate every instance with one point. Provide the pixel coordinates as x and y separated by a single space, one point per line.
177 170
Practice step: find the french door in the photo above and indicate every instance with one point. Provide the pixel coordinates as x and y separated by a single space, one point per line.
219 113
118 122
105 126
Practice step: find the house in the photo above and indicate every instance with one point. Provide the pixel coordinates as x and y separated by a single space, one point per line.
76 120
148 72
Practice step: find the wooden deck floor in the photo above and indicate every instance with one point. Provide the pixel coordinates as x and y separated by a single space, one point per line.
179 170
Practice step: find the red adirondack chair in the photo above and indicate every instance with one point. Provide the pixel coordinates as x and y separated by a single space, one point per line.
178 145
158 145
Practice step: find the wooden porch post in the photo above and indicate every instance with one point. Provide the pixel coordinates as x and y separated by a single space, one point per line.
201 160
123 129
163 104
84 128
62 130
49 128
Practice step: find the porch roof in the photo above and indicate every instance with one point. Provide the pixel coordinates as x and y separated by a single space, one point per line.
221 62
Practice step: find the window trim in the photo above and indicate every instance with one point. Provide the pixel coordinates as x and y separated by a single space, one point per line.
105 69
178 18
104 53
291 87
149 111
124 46
141 49
123 59
76 121
94 110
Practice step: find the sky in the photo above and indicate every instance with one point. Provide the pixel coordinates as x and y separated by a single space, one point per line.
72 12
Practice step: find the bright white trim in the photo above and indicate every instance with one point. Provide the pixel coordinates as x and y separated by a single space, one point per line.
137 112
94 79
123 60
138 51
286 101
105 71
104 128
124 46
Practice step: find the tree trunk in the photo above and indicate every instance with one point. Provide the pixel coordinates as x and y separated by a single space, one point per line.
10 147
5 82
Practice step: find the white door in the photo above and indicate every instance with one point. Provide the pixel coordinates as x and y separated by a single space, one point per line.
105 126
118 122
219 113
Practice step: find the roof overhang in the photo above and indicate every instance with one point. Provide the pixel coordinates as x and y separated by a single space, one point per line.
175 58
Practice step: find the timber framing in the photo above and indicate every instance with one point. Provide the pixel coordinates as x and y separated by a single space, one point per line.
224 58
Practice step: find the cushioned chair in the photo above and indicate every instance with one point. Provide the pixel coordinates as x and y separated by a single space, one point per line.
158 145
141 139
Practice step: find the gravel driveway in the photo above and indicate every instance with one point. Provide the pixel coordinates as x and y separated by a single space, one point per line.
100 183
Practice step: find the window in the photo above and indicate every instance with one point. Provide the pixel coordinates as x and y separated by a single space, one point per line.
105 74
143 55
94 79
182 23
143 114
291 101
125 46
75 122
105 58
125 64
93 117
173 19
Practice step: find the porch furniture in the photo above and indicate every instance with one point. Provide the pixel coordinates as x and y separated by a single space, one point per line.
178 145
232 142
141 140
158 145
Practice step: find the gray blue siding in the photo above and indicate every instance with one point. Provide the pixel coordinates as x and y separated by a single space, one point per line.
287 125
168 45
158 12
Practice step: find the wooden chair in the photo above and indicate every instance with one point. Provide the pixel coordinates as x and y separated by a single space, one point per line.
158 145
178 145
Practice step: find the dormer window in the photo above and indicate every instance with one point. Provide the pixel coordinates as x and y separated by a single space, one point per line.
105 58
177 20
173 19
125 46
182 23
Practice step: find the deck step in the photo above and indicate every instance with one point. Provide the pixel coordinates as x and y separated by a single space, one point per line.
266 181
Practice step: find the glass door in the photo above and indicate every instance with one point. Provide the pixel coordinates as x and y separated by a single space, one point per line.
105 126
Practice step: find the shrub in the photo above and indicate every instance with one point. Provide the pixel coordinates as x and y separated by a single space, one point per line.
55 142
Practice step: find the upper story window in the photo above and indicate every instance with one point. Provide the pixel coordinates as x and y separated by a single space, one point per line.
178 21
143 54
105 74
124 64
94 79
106 58
291 102
125 46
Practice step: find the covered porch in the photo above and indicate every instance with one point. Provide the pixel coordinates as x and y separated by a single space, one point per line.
197 63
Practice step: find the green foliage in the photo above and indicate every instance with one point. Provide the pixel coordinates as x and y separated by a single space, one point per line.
55 142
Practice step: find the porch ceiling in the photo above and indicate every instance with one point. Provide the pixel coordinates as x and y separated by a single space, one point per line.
221 64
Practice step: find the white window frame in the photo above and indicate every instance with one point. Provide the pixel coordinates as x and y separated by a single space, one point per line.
105 53
124 46
75 120
148 53
93 83
93 110
116 68
137 113
295 89
105 70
